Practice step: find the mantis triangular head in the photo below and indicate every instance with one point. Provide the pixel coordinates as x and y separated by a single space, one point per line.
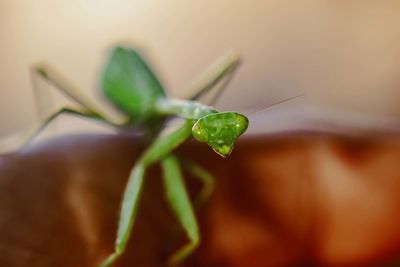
220 130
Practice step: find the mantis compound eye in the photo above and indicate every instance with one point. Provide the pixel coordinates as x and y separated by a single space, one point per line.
199 132
242 122
220 130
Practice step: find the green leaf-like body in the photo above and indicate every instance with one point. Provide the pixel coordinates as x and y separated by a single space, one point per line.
131 86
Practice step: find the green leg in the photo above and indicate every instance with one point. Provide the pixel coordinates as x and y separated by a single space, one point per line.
87 109
179 200
204 177
47 73
160 148
221 88
44 102
64 110
214 75
38 127
129 209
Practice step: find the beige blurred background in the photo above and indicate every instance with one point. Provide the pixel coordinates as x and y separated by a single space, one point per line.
343 55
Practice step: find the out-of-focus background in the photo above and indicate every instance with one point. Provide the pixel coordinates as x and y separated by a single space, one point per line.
290 199
341 54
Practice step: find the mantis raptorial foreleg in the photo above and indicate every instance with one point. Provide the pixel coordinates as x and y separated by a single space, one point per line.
128 212
161 147
179 201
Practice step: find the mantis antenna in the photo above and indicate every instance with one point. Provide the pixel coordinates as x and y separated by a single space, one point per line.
274 104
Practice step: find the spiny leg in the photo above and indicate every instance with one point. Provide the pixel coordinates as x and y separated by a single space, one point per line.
179 201
223 68
161 147
203 176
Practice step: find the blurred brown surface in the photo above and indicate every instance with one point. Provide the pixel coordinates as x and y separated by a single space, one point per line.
300 199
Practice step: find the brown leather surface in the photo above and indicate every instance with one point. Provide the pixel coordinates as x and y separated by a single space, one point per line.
301 199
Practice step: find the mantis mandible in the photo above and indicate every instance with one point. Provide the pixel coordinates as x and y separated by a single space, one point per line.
131 86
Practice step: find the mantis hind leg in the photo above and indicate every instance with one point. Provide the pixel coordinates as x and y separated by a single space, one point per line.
21 140
46 73
87 108
178 198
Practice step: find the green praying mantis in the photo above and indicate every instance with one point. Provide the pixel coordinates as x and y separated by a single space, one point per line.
132 87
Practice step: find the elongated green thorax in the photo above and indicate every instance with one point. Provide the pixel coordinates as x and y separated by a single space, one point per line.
220 130
183 108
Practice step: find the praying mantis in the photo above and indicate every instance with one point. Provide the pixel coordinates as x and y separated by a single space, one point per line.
132 87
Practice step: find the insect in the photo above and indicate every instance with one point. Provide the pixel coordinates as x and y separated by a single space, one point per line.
132 87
